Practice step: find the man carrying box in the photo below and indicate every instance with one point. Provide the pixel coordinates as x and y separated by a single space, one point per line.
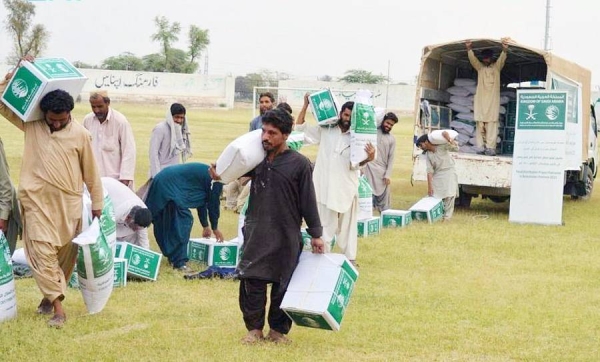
57 161
112 139
336 181
281 195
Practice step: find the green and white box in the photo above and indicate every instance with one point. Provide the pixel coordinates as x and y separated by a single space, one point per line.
395 218
306 239
32 81
320 290
428 208
324 107
120 273
369 227
211 252
141 263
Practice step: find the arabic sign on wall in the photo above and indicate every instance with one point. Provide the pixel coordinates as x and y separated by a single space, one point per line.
539 157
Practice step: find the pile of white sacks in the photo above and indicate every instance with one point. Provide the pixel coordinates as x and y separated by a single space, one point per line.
462 96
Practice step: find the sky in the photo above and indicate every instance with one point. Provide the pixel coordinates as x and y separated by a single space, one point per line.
312 38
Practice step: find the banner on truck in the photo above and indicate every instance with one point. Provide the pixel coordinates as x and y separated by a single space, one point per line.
539 157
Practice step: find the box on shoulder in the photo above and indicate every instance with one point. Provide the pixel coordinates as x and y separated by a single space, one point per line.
320 290
32 81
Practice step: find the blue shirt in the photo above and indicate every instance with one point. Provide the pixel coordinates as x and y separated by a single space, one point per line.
256 123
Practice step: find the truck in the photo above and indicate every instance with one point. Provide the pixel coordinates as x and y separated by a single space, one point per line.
489 177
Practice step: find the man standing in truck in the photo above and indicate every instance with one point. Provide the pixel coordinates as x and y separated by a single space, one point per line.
487 96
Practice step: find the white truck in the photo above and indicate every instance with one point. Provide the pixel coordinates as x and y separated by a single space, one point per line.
525 67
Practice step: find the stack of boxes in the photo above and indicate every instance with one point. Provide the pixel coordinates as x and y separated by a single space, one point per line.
508 133
367 224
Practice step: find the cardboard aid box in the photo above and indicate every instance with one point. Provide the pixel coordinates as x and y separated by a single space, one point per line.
32 81
306 239
320 290
212 253
324 107
141 263
120 272
395 218
368 227
428 208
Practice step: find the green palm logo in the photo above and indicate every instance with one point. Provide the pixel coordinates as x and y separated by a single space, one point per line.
19 88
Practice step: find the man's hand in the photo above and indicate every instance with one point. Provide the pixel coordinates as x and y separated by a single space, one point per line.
218 236
504 43
96 213
206 232
3 225
387 181
318 246
370 150
306 99
125 182
469 45
212 171
27 57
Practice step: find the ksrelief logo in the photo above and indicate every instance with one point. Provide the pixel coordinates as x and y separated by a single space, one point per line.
325 105
552 112
19 88
224 254
135 260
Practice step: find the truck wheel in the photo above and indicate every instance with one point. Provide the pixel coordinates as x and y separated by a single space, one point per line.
498 199
589 183
464 199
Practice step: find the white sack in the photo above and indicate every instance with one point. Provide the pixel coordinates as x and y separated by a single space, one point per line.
461 82
436 137
8 295
241 156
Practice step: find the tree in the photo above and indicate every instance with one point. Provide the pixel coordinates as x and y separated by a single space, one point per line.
123 61
28 38
199 40
362 76
84 65
166 35
154 62
325 78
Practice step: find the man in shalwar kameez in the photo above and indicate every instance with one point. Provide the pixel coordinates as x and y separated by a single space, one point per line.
379 172
335 179
281 195
57 161
442 179
173 192
487 96
112 139
10 218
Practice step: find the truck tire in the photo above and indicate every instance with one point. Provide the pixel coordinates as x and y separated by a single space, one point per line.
498 199
463 200
588 185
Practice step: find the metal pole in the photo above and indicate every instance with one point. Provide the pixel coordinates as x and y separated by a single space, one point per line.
547 32
387 88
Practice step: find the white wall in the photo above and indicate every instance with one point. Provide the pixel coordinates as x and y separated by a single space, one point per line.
189 89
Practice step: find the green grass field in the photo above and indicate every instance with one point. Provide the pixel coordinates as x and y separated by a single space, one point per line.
475 289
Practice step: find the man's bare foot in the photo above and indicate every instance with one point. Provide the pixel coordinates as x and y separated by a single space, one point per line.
253 336
278 338
45 307
57 321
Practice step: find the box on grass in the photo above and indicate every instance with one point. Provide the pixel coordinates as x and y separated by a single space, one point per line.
368 227
120 272
428 208
32 81
324 107
395 218
212 253
141 263
320 290
306 238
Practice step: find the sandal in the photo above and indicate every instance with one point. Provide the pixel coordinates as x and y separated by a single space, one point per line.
58 321
45 307
278 338
253 336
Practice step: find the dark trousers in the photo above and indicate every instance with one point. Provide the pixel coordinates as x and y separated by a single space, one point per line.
253 302
172 228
